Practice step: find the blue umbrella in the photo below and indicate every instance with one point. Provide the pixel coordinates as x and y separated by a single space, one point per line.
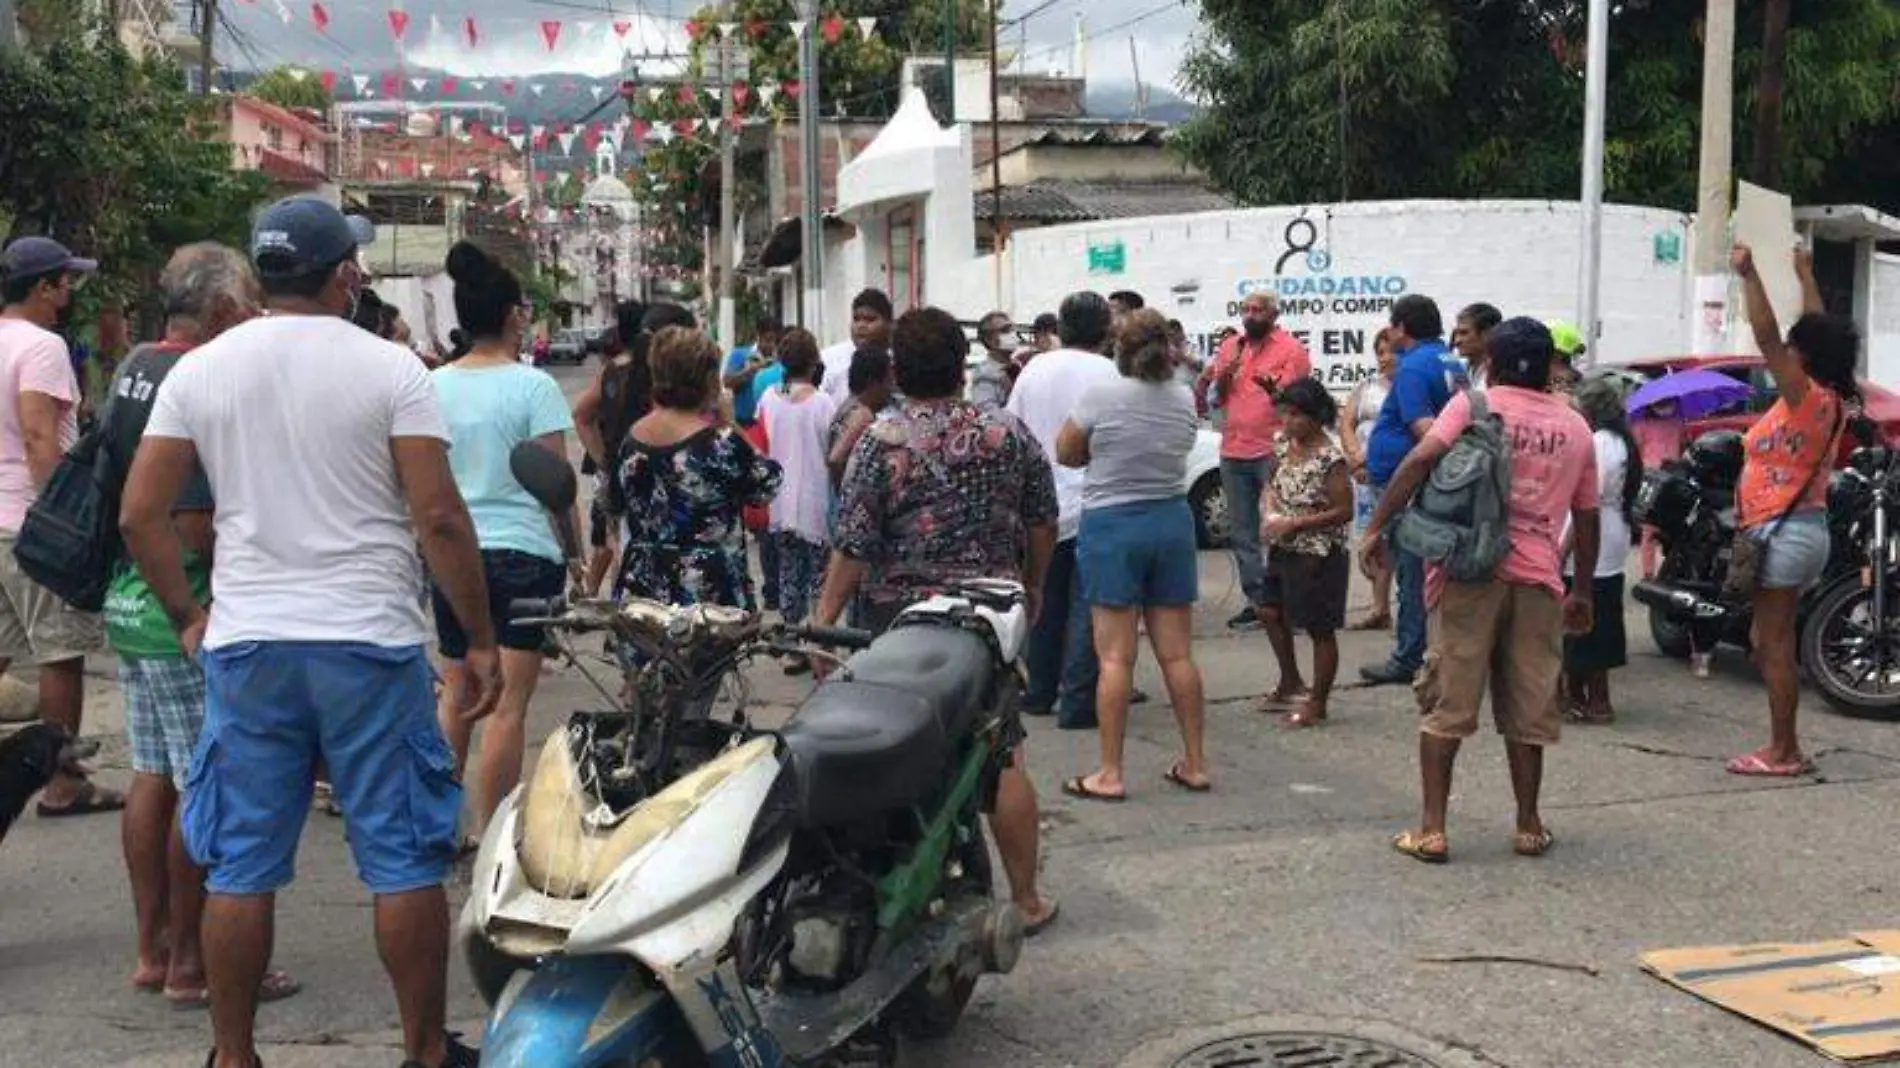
1696 393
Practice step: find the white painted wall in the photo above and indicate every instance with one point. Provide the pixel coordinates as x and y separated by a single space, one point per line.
1883 323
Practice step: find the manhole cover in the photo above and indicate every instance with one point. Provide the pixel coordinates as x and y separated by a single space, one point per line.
1286 1049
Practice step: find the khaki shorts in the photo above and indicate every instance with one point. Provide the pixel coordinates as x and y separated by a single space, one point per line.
35 625
1497 635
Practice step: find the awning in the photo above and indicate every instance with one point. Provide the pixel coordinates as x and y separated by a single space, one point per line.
786 243
1847 222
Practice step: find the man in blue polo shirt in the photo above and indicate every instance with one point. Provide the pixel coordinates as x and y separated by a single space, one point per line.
1422 385
752 369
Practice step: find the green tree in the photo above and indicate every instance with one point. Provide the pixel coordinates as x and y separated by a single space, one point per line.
283 87
1464 98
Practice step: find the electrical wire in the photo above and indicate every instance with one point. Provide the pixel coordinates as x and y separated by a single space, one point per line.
1159 9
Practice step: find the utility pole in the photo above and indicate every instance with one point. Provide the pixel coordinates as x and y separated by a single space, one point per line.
9 27
1595 93
206 32
950 59
812 256
732 68
997 236
1710 334
1768 93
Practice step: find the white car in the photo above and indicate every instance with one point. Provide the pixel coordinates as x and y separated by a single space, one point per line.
1204 490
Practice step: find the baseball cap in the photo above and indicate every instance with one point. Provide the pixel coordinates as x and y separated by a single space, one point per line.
1566 337
1519 345
300 235
32 256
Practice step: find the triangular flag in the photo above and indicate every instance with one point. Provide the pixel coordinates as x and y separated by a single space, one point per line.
712 93
640 128
382 166
398 23
283 11
327 79
567 143
686 97
298 74
550 32
319 17
867 26
392 85
663 134
470 31
791 87
798 29
473 171
517 140
508 86
369 94
567 88
536 88
361 81
653 94
428 170
832 28
621 28
755 28
538 131
685 127
597 91
448 83
727 29
479 84
767 93
560 179
741 92
435 28
693 29
419 84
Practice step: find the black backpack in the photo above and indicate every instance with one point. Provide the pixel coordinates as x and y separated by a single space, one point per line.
70 540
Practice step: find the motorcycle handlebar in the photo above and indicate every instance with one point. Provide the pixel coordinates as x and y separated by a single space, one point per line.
844 637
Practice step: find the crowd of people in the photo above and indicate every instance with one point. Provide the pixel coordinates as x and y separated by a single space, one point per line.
860 476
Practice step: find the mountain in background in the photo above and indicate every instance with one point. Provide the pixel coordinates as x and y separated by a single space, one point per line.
1117 100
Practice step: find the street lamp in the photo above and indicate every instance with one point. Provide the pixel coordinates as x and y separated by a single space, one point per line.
813 258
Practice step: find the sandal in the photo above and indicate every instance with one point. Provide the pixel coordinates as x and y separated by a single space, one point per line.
1032 928
1758 765
1377 621
1287 699
1302 718
1079 788
1584 715
1533 843
1179 778
277 986
89 801
1430 847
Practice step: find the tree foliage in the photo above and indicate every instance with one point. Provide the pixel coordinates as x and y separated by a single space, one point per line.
110 155
1365 99
283 87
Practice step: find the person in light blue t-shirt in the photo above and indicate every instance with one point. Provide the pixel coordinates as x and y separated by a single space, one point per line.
492 403
752 370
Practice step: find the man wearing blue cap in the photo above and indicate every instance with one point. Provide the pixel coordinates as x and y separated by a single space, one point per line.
328 456
38 423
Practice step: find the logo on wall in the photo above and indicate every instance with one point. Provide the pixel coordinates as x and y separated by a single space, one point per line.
1302 238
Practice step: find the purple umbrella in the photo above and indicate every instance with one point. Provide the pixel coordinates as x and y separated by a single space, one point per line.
1696 392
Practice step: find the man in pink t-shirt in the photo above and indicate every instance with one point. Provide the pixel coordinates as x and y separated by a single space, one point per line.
39 398
1247 372
1504 634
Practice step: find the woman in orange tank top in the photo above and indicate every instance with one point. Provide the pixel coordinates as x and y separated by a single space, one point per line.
1782 498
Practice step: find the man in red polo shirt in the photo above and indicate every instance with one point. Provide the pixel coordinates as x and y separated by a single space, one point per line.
1248 371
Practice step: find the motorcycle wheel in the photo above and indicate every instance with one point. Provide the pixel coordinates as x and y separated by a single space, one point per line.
933 1004
1853 661
1671 636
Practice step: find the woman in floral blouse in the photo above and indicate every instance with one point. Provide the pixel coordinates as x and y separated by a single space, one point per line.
683 479
1307 510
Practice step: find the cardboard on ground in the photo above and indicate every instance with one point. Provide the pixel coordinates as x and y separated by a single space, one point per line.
1764 221
1841 997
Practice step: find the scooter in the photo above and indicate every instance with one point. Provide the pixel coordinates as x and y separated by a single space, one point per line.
674 886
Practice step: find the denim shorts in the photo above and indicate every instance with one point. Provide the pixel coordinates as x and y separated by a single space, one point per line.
509 575
272 711
1139 555
1796 552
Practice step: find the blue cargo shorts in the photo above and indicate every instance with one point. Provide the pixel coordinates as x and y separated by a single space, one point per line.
272 710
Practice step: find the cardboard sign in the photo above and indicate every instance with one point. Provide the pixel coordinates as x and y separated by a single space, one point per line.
1842 998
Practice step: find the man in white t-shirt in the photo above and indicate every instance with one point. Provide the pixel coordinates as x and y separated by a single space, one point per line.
871 317
1062 664
328 457
38 423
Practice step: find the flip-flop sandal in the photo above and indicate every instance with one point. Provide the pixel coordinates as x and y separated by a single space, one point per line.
1527 844
277 986
1175 776
1032 928
1371 623
94 800
1759 766
1431 848
1078 787
1273 701
1295 721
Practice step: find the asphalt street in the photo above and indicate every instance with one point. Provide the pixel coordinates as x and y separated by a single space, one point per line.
1274 896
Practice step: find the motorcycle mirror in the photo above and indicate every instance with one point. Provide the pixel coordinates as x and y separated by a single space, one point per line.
1863 430
548 478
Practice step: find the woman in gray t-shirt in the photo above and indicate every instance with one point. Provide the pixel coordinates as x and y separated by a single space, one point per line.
1136 549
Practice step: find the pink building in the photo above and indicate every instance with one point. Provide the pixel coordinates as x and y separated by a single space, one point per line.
291 147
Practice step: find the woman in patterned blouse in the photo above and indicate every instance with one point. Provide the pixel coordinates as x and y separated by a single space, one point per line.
1307 509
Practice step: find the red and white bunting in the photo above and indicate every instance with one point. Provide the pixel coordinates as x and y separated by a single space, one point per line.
727 29
537 88
361 81
741 92
653 94
518 141
392 85
832 28
283 11
327 79
382 167
538 131
560 179
798 29
551 32
767 93
448 83
428 170
621 29
473 172
791 87
867 26
398 23
479 85
507 87
471 32
319 17
418 84
567 143
597 91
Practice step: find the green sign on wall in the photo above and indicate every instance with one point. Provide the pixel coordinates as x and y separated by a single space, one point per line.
1667 247
1110 257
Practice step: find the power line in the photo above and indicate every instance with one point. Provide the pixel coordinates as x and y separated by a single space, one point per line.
1030 14
1159 9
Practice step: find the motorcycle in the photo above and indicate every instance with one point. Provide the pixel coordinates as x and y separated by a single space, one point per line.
673 885
1850 641
1691 505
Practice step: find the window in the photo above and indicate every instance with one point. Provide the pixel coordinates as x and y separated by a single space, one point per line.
274 137
901 255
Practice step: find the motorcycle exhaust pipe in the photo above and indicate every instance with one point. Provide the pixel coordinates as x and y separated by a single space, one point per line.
1676 601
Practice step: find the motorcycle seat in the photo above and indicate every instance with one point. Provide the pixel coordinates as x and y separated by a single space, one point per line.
884 737
950 668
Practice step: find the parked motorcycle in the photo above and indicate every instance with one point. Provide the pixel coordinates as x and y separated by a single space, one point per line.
673 885
1691 504
1850 641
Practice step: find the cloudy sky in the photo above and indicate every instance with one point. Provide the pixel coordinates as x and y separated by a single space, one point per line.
510 38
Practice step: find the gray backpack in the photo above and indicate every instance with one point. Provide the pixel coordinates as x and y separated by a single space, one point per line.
1460 517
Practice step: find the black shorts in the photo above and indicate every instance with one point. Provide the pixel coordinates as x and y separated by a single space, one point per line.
509 574
1309 590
